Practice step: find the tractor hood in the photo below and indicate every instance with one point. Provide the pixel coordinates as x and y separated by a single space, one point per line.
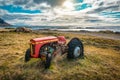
44 39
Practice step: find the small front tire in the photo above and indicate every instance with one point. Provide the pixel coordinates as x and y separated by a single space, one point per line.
27 55
48 60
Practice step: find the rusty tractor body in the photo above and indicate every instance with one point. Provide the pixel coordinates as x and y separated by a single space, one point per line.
47 48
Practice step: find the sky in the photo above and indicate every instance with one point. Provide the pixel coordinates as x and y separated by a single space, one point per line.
61 12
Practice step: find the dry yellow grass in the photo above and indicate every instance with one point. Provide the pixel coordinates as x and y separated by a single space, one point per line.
101 62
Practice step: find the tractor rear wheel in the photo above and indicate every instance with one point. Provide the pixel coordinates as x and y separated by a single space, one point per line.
75 49
27 55
48 60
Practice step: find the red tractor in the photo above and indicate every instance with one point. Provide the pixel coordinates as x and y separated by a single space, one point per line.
48 47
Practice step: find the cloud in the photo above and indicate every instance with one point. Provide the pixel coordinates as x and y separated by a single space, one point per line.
2 12
50 2
102 5
26 4
55 13
5 2
104 8
20 2
82 20
18 9
111 14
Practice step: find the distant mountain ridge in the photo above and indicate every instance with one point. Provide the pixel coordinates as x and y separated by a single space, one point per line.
3 23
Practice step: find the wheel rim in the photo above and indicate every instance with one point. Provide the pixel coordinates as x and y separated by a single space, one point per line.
49 55
76 51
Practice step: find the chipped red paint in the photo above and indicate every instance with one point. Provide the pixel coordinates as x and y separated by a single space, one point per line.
39 42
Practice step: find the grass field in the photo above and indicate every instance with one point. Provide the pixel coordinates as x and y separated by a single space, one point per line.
101 62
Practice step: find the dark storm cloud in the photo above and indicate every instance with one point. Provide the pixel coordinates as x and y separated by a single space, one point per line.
93 20
100 9
50 2
2 2
16 16
109 7
20 2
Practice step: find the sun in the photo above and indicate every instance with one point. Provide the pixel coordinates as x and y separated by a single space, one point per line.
68 5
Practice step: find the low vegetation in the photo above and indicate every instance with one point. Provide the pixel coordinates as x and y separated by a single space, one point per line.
101 61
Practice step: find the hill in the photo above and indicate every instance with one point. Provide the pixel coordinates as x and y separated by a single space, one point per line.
3 23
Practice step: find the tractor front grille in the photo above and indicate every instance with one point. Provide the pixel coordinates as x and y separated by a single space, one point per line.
32 48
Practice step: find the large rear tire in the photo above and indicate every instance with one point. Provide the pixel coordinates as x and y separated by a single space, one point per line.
75 49
27 55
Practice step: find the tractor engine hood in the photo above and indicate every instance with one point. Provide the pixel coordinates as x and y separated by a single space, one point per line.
44 40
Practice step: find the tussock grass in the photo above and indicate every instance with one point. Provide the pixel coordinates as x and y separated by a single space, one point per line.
101 61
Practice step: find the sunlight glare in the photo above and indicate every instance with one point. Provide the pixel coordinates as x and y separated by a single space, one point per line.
68 5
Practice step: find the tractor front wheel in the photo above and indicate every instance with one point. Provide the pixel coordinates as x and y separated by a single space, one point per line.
75 49
27 55
48 60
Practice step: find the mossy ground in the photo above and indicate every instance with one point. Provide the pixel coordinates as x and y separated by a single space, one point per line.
101 61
